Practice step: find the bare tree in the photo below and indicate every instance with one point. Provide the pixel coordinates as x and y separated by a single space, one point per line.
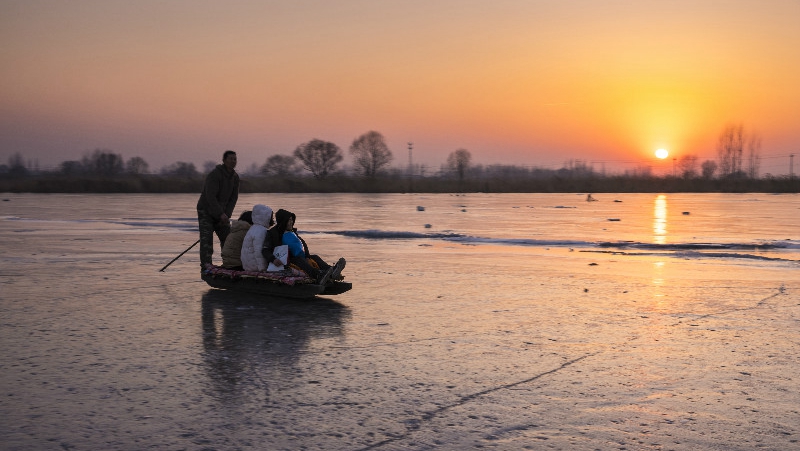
16 165
688 166
71 167
319 157
729 150
708 168
753 155
253 169
644 171
280 166
458 162
136 165
103 162
181 169
370 153
577 168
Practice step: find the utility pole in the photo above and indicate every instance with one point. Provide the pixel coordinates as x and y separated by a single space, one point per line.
410 168
791 166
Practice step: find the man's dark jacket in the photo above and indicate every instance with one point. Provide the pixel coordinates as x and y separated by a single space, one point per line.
220 192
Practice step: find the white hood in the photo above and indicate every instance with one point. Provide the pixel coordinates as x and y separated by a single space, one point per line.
262 215
252 260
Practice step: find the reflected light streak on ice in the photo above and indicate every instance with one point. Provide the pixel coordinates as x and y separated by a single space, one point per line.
658 279
660 220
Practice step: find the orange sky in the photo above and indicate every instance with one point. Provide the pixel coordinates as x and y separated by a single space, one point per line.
514 82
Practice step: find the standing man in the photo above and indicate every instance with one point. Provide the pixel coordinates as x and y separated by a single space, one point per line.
215 207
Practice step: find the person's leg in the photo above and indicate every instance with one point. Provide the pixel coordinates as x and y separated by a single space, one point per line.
206 225
303 264
320 262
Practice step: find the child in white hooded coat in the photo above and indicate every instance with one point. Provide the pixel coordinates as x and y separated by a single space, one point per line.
252 259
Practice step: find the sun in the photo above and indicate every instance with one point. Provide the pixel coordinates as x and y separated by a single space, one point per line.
662 153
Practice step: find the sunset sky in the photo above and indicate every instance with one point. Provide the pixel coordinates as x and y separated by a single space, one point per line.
521 82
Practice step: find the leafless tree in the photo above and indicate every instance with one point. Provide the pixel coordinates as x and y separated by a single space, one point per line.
103 162
729 150
642 170
577 168
280 166
181 169
253 169
71 167
319 157
16 165
458 161
136 165
708 168
753 155
370 153
688 166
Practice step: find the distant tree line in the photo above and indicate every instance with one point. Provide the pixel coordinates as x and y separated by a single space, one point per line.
314 167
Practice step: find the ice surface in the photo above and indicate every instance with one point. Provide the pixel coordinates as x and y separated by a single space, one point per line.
441 344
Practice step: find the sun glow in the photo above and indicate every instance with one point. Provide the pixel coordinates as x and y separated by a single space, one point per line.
662 153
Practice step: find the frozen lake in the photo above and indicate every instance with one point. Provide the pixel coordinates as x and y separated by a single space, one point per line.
493 321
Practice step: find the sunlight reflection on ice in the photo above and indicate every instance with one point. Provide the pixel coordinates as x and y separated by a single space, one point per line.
658 278
660 220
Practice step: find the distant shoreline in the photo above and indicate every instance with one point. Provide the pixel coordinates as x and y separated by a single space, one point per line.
50 183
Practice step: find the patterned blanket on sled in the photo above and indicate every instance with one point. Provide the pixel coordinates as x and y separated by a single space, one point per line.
289 276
